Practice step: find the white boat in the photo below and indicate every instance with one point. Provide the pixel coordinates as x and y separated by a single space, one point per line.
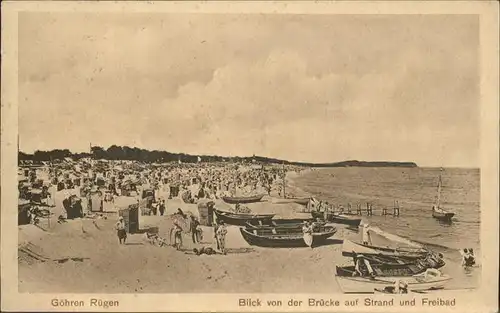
379 238
349 249
426 281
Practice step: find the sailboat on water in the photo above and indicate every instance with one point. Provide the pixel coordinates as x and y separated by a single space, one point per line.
438 212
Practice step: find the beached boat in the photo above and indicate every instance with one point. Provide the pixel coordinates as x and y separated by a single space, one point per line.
283 237
249 199
240 219
438 212
301 201
281 223
395 251
338 218
382 239
428 280
350 249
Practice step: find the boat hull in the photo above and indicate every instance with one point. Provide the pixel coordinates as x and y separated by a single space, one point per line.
295 223
443 216
241 219
251 199
350 249
304 201
338 219
369 285
255 237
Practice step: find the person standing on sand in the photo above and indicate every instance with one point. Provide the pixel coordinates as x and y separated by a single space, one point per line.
216 227
193 228
366 235
162 207
120 229
221 237
177 231
307 231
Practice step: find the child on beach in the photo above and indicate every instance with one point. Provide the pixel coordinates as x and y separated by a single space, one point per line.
120 229
177 231
221 237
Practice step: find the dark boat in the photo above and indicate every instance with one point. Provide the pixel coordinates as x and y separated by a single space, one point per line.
338 218
421 258
284 237
239 219
249 199
303 201
281 223
383 270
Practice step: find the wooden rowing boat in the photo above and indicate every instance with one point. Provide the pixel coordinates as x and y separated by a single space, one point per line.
240 219
360 284
283 237
281 223
249 199
301 201
350 249
419 259
338 218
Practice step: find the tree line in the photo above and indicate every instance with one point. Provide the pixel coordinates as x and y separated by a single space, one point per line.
115 152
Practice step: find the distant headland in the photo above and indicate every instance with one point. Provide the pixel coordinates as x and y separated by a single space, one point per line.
143 155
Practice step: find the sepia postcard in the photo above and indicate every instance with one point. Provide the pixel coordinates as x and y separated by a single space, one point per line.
250 156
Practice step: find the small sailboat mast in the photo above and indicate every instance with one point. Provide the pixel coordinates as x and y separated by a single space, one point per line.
438 198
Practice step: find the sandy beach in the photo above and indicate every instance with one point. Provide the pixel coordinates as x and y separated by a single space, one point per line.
100 264
84 256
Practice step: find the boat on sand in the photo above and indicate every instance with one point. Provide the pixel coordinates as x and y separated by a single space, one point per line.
301 201
281 223
239 219
248 199
338 218
283 237
429 280
350 248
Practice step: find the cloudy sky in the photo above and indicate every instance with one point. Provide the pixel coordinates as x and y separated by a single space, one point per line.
315 88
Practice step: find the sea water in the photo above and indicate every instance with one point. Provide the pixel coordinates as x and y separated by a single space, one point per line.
415 189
